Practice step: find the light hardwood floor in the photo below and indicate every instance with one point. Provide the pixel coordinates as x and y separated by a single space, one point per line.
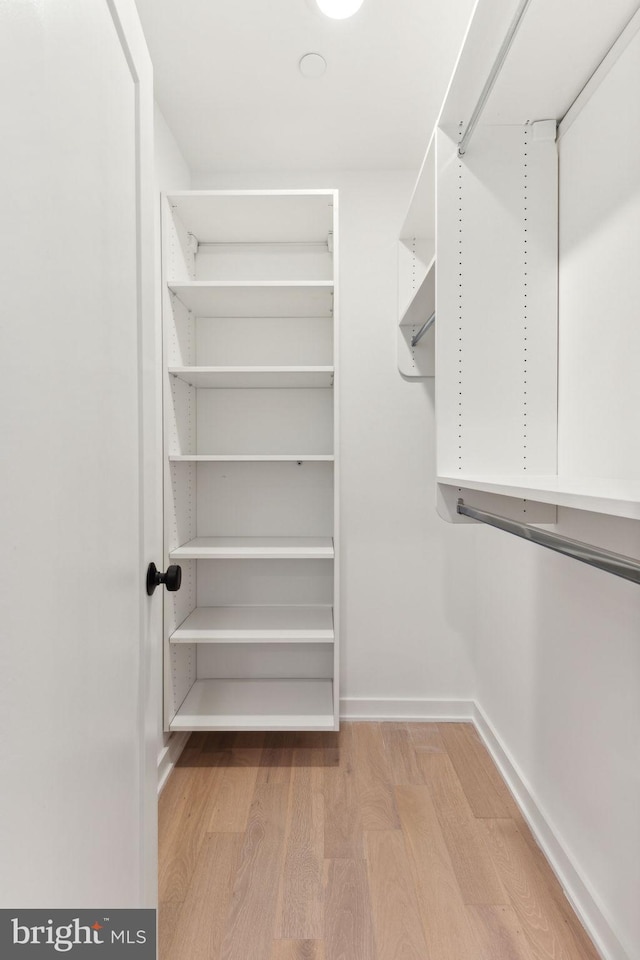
387 841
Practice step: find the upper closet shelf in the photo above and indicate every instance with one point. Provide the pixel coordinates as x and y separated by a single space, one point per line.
423 303
297 298
255 216
522 90
255 548
617 498
258 377
250 457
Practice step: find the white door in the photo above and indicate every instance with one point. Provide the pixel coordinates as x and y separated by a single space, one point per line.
79 505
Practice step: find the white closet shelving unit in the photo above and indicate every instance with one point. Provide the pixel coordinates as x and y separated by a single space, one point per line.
526 331
251 415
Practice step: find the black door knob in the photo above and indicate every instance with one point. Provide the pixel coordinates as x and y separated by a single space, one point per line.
171 579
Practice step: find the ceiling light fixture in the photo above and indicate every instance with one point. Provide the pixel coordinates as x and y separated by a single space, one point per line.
339 9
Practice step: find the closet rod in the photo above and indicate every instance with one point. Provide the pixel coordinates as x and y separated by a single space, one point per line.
493 76
423 329
615 563
263 243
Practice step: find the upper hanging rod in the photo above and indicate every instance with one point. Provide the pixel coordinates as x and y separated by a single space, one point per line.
265 243
423 329
616 563
493 76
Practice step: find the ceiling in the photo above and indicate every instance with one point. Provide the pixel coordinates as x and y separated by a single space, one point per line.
228 84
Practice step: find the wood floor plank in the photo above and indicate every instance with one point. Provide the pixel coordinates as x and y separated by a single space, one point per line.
542 919
348 925
273 908
301 899
554 888
173 800
198 739
319 741
180 853
485 790
396 915
231 749
276 760
217 740
373 779
201 923
401 754
251 920
239 772
248 740
298 950
426 736
499 933
444 918
465 840
206 749
332 746
190 756
168 914
343 834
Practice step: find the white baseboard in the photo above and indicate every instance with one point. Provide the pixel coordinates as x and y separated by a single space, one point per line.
575 888
357 708
169 756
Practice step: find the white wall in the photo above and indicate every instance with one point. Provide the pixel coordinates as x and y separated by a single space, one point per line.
558 667
406 605
559 642
171 173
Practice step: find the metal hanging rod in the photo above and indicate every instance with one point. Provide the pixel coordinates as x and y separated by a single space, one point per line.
493 76
423 329
263 243
616 563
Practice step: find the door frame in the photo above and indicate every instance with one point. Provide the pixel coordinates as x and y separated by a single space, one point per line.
129 29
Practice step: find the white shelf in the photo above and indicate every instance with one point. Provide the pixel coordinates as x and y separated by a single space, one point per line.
617 498
257 624
251 458
423 302
257 705
523 90
255 548
226 298
255 377
255 216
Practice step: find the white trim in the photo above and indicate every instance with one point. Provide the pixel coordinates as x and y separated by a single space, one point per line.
125 19
434 711
599 74
576 889
169 756
324 191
